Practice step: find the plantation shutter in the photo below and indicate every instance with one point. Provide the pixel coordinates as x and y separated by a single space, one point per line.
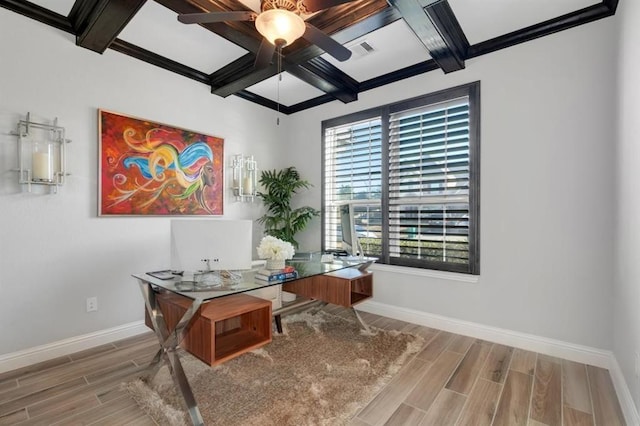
353 173
410 171
429 172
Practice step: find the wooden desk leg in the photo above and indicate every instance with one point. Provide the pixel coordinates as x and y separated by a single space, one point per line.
168 348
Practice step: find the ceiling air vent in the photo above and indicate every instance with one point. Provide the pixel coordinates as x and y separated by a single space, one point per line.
362 48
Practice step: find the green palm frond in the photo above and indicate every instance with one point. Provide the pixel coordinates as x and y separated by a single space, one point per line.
280 220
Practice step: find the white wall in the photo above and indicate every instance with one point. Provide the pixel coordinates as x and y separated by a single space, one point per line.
547 188
626 305
54 250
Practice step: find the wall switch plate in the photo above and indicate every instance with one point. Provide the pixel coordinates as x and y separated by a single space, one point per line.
92 304
637 365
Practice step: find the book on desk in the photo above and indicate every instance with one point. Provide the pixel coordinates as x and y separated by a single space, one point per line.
275 276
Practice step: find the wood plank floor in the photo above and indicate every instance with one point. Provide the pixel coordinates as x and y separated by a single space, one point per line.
453 380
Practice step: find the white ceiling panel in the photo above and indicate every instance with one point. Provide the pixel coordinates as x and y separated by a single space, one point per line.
252 4
394 47
157 29
292 89
63 7
486 19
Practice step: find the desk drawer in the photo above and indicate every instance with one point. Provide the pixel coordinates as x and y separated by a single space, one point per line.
223 328
345 287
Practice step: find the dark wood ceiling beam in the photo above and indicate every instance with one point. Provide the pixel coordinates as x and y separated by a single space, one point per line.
324 76
250 96
239 75
249 76
39 13
383 80
561 23
175 67
158 60
611 5
314 102
98 22
435 24
318 73
401 74
444 20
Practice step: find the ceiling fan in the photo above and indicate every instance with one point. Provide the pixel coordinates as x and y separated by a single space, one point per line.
280 24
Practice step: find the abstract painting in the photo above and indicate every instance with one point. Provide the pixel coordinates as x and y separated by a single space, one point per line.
148 168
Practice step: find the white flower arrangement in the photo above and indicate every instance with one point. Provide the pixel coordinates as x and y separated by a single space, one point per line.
274 248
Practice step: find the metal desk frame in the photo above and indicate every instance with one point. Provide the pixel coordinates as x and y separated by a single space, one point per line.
169 342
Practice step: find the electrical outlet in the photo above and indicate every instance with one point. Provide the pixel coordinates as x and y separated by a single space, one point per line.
92 304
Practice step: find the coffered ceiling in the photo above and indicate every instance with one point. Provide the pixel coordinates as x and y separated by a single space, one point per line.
389 39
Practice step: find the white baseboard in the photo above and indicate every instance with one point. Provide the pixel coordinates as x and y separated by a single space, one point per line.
49 351
583 354
624 395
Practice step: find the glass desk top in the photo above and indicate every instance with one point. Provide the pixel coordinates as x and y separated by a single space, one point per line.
204 286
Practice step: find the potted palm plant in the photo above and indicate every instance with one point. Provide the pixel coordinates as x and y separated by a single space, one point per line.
281 220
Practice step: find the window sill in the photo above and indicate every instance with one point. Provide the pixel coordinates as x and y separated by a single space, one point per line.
452 276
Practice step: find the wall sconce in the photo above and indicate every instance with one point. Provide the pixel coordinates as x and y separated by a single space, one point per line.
41 154
245 177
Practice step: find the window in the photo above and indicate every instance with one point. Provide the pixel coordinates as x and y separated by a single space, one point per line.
410 171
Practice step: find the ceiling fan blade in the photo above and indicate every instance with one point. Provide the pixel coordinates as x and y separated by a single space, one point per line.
208 17
326 43
316 5
264 55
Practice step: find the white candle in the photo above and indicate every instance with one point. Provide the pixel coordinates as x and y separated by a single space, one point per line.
41 166
247 187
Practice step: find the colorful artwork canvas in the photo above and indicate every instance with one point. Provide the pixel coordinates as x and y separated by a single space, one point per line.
148 168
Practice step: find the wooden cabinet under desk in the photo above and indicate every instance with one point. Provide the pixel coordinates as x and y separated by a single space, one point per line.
222 328
344 287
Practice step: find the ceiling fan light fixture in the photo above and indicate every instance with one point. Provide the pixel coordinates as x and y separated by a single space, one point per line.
281 27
